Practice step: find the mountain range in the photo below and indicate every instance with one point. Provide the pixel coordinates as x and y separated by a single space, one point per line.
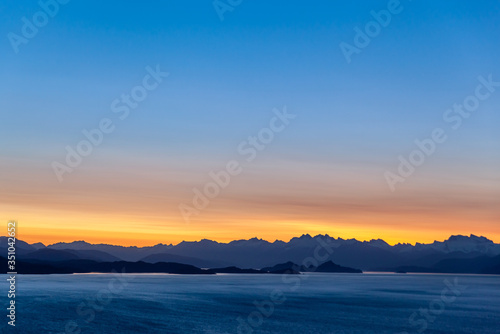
458 254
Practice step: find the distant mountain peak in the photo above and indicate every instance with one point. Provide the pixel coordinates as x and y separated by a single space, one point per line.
302 238
255 239
207 241
38 245
460 237
378 243
258 253
464 244
76 242
80 242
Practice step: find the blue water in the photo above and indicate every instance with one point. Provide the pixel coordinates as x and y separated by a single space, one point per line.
314 303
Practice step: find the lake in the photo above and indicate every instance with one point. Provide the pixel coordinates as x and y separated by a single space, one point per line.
313 303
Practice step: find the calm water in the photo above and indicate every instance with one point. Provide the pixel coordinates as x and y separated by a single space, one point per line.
315 303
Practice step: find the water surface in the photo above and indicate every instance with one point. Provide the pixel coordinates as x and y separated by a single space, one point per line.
314 303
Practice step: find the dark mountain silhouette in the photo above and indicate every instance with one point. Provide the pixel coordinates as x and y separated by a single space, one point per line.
284 266
38 245
492 268
257 253
278 269
327 267
50 255
132 253
330 267
476 265
480 264
167 257
21 246
96 255
37 268
89 266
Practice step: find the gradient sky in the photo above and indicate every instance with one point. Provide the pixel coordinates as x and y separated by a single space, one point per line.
323 174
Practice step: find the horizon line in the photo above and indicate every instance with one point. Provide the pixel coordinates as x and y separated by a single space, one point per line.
261 239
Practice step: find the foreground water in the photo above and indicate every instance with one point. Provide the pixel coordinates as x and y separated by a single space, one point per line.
315 303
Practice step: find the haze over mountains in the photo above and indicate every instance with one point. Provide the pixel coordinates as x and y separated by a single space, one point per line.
461 254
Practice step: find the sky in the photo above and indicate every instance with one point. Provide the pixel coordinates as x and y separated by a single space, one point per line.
178 89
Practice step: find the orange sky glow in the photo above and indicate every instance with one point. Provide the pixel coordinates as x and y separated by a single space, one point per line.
139 205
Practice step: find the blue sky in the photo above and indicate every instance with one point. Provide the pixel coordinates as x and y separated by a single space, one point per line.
226 77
